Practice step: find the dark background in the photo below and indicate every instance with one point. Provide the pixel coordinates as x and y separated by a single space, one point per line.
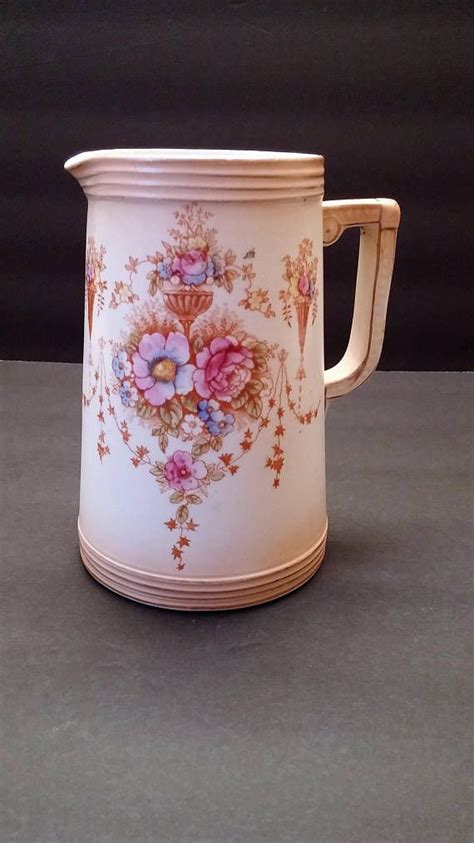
381 89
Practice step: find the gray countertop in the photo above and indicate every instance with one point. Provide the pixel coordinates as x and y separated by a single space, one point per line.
338 714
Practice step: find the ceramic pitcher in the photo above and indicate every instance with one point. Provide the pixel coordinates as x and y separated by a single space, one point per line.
204 388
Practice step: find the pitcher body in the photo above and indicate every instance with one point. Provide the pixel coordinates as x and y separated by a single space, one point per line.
204 390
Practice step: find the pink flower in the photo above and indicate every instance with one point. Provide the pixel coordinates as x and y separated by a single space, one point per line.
303 285
191 267
223 369
161 367
183 472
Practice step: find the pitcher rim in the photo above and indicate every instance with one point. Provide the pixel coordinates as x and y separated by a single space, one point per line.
191 154
213 174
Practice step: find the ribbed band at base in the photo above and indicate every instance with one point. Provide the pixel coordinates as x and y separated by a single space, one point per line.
207 593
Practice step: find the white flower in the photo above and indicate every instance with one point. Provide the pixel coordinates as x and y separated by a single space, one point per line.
123 292
121 365
192 425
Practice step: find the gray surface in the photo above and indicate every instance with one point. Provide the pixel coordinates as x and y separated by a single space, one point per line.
337 714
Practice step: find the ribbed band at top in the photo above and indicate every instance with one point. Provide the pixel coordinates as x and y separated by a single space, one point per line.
200 174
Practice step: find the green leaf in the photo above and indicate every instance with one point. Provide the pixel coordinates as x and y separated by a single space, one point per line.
260 349
176 497
200 446
158 470
238 403
182 514
188 402
197 344
133 342
227 282
153 285
154 258
260 368
216 442
160 432
144 410
254 407
174 432
216 474
171 413
194 499
254 387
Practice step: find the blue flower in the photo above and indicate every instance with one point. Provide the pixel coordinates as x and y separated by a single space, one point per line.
205 408
164 268
210 268
220 423
121 365
194 280
128 394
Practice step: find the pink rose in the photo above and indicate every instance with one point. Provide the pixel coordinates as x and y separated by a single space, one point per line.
183 472
223 369
303 285
191 267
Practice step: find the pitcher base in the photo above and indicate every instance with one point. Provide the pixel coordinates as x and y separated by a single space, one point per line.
201 594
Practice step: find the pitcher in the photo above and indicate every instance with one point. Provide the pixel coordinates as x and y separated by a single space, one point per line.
204 389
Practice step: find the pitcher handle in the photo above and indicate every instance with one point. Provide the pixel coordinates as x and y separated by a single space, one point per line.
378 220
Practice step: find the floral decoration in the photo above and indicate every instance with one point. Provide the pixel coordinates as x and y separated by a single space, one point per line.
123 293
300 293
196 385
95 284
217 422
161 368
191 388
183 472
188 268
193 258
254 299
223 369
